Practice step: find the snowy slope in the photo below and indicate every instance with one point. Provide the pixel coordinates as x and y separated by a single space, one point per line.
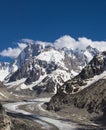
55 56
52 55
4 70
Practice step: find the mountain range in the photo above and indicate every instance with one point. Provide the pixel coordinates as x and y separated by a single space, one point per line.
44 68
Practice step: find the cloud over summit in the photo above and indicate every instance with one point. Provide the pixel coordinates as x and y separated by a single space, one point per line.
64 41
13 52
80 43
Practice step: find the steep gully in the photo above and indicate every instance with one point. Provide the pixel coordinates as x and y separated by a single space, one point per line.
48 122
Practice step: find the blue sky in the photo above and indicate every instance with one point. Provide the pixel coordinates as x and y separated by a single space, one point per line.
47 20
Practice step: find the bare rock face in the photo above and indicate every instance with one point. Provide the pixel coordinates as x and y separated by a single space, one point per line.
95 67
5 122
93 99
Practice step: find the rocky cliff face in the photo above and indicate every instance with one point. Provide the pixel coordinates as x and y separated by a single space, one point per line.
93 99
86 91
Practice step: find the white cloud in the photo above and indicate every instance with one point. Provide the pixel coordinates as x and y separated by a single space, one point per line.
44 43
100 45
28 41
13 52
64 41
81 43
22 45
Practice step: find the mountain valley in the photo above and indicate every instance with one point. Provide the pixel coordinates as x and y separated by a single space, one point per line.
72 82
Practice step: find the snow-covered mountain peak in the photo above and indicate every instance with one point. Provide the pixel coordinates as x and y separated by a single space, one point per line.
48 52
32 50
92 50
52 56
40 62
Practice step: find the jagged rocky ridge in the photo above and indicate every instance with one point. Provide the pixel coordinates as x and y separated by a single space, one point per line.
45 68
87 90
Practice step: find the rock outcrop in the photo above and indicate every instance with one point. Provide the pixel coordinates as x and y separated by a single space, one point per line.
93 99
5 122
